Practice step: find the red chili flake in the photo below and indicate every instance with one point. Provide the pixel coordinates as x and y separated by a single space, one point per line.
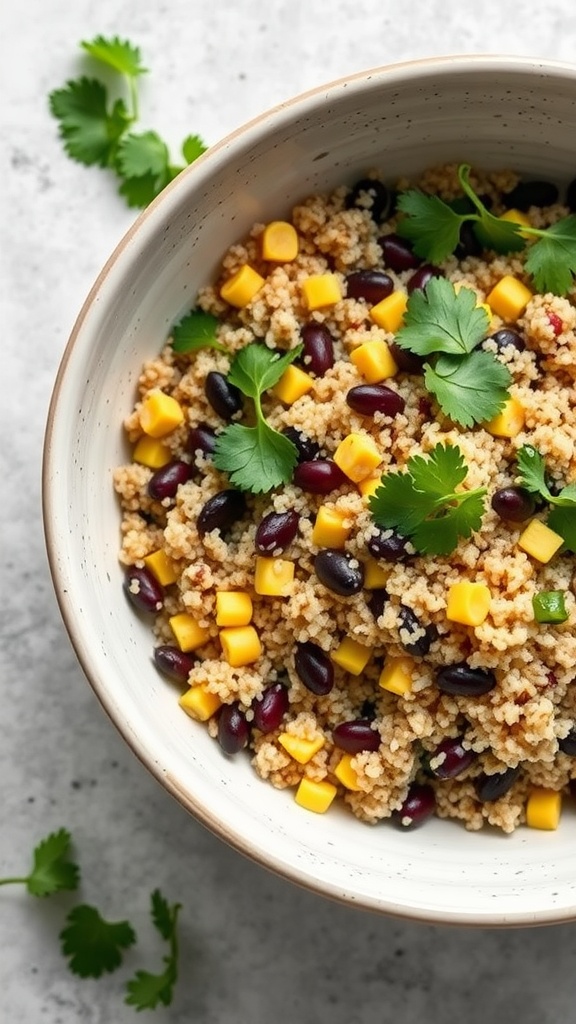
424 407
555 322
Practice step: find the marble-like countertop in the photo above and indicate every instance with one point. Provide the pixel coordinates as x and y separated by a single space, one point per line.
254 947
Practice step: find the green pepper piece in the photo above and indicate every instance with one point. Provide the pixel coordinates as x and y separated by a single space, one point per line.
549 606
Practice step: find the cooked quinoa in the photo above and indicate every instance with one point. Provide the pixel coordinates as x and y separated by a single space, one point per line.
522 721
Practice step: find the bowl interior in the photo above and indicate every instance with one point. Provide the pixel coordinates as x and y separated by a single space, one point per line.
492 112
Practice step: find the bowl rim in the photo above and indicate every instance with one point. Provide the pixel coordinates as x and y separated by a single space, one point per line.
400 71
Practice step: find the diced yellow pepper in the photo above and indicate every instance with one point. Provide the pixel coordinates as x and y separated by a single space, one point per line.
509 421
160 414
315 796
369 486
357 456
241 288
300 749
199 703
509 298
293 383
162 567
374 361
517 217
189 635
375 575
540 541
396 675
346 774
321 290
468 603
150 452
543 809
273 576
329 530
280 242
240 645
352 656
389 313
233 608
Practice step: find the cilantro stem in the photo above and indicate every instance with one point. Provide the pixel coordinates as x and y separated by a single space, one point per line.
13 881
458 496
133 89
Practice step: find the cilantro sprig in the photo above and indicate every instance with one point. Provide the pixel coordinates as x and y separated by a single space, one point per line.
194 331
532 473
52 870
92 944
433 228
146 990
423 504
257 458
446 325
96 130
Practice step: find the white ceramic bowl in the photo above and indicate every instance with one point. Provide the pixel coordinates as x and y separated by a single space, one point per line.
492 111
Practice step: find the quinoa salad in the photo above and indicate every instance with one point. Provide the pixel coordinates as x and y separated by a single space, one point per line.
349 512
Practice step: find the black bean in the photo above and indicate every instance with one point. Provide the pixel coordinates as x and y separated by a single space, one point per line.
454 759
339 572
415 638
314 668
165 482
492 787
367 399
143 590
355 736
571 196
276 531
389 546
422 277
515 504
270 708
463 681
406 361
371 195
507 338
568 744
173 662
318 351
468 244
419 804
233 729
530 193
306 448
398 254
371 285
224 397
377 601
202 439
319 476
221 511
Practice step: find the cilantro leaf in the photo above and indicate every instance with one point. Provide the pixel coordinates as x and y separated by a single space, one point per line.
532 471
192 148
256 368
562 520
423 505
89 131
469 390
146 990
92 944
430 225
52 870
162 914
142 154
492 232
441 319
139 192
552 260
195 331
257 459
116 53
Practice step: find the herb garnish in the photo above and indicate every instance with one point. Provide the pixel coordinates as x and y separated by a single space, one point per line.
422 502
52 870
433 228
256 458
532 473
146 990
92 944
95 131
194 331
447 325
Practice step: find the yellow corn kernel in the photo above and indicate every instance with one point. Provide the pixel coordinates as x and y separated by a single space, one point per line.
468 603
233 608
199 703
329 530
509 421
357 456
374 361
346 774
300 749
240 645
509 298
543 809
189 635
540 541
369 486
241 288
389 313
321 290
517 217
160 414
375 576
396 675
273 576
151 453
162 567
315 796
280 242
292 385
352 656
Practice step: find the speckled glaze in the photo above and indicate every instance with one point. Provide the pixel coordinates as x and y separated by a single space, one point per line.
492 111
